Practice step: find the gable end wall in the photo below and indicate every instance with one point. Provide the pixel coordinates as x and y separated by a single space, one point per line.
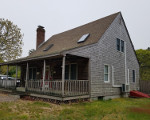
104 52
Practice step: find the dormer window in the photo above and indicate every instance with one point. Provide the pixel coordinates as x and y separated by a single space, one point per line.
48 47
83 38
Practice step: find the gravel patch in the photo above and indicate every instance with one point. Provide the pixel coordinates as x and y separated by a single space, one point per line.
8 97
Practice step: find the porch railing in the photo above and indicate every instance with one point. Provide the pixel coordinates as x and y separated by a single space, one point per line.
71 87
7 83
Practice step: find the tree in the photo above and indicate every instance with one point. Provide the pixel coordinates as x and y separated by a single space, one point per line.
144 61
143 57
10 40
148 48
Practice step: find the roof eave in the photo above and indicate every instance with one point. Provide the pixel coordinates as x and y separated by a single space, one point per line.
29 59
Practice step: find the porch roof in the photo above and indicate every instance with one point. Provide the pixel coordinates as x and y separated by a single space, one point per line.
20 60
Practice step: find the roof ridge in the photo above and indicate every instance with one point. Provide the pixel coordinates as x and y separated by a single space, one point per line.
85 24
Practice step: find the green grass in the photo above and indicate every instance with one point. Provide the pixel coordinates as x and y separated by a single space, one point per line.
116 109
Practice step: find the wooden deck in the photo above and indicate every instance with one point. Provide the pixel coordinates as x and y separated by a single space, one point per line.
73 89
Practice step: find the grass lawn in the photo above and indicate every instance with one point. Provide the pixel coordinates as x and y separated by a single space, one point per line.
116 109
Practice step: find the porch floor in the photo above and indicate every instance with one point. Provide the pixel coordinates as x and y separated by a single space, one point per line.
21 92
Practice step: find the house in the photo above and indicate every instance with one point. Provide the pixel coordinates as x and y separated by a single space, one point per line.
91 61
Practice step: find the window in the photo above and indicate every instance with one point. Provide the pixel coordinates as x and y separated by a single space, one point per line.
106 73
67 72
32 73
120 45
83 38
48 47
133 75
71 72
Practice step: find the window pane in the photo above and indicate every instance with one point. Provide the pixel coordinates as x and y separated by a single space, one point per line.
106 73
73 71
67 72
106 77
118 44
133 73
106 69
122 46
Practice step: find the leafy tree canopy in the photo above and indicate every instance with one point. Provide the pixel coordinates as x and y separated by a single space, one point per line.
144 60
143 57
10 40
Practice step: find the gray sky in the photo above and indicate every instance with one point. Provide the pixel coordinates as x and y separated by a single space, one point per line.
61 15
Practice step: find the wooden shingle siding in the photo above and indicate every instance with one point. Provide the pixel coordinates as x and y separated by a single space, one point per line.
105 52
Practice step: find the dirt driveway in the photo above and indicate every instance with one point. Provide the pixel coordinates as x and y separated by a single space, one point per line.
8 97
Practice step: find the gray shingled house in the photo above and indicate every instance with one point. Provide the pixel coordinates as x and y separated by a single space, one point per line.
91 61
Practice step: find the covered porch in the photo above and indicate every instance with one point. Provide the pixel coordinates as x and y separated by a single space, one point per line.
57 76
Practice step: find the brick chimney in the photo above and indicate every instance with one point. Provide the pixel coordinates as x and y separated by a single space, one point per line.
40 38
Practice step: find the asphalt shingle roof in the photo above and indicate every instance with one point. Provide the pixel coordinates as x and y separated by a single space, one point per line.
69 39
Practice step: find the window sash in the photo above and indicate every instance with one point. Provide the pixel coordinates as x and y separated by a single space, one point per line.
106 73
118 44
122 46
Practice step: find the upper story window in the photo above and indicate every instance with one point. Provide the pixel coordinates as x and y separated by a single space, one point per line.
120 45
106 73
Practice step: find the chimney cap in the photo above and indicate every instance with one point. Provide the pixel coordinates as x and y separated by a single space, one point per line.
39 26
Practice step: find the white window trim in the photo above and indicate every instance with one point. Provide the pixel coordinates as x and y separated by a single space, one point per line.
108 74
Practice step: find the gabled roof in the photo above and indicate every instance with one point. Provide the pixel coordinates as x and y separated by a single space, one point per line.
69 39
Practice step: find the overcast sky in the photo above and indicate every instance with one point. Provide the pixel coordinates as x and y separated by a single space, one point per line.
61 15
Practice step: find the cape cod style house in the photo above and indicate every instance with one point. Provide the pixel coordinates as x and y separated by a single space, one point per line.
91 61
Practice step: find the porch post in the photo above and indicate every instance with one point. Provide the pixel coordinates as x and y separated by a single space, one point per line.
16 75
44 67
27 72
63 74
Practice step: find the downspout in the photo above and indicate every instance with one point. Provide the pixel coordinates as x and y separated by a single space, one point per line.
125 60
